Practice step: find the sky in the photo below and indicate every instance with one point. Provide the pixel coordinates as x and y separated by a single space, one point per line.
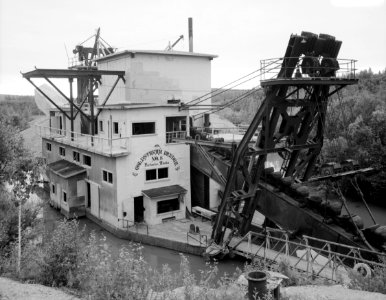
38 32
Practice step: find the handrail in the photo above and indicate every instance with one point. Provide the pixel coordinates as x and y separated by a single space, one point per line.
171 135
201 236
133 224
327 257
344 68
86 141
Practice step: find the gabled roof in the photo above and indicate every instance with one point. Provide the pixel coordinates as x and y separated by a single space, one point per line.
65 169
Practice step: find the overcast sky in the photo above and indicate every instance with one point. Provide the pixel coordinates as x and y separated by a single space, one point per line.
35 32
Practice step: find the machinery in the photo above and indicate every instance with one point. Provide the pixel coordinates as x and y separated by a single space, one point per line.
290 125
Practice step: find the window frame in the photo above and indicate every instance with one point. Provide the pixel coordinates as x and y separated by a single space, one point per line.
176 200
143 122
156 174
84 162
109 176
101 126
116 132
62 149
49 147
53 188
73 156
64 193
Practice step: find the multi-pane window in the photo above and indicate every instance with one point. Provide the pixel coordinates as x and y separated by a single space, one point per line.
107 176
87 160
76 156
143 128
101 125
168 205
62 151
48 146
154 174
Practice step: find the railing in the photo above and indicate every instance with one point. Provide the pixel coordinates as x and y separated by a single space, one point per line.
171 135
85 141
202 239
128 224
308 67
227 134
322 261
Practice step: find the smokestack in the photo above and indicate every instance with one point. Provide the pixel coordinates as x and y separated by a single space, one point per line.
190 35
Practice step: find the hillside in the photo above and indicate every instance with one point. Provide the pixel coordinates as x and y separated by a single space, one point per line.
17 110
355 125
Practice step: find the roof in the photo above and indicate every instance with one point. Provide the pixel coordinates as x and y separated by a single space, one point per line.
156 52
69 73
164 191
65 169
127 105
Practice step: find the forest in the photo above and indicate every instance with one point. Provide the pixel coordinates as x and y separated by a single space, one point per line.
17 111
355 125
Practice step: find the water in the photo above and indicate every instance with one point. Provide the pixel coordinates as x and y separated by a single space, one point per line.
156 257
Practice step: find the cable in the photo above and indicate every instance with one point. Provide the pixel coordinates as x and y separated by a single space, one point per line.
237 99
221 88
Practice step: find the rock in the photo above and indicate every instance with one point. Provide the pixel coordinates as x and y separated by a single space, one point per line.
287 180
276 175
358 221
335 292
315 198
303 191
269 170
381 232
10 289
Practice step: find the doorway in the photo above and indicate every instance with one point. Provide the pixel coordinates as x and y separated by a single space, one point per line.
138 209
88 194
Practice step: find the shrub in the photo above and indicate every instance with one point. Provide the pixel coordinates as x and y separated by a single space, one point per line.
59 255
374 283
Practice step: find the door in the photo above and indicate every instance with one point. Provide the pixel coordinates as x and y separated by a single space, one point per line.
88 195
138 209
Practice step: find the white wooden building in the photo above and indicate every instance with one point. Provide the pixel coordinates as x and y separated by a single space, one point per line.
131 170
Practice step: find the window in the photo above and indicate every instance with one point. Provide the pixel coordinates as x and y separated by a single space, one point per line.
87 160
62 151
76 156
116 127
154 174
163 173
64 196
101 125
48 146
143 128
107 176
168 205
151 174
53 188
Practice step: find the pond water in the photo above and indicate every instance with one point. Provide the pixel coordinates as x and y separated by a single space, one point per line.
156 257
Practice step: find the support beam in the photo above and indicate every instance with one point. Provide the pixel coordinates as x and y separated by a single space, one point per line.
91 101
71 109
48 98
65 97
109 94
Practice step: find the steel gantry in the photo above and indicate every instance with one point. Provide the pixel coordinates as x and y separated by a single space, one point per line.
291 118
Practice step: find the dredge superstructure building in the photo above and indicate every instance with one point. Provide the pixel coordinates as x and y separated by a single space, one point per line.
113 156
